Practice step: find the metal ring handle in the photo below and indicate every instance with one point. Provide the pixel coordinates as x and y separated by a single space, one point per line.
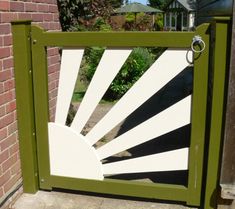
198 40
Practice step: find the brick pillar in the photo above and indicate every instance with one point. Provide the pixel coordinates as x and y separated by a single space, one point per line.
45 14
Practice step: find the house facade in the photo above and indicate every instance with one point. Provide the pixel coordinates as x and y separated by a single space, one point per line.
180 15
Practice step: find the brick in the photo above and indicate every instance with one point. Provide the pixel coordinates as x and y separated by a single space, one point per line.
1 65
56 17
7 40
53 94
16 6
4 5
1 87
42 8
5 52
53 77
11 182
40 1
53 2
24 15
12 128
30 7
53 8
37 17
4 156
15 116
2 111
52 51
1 192
3 133
13 94
6 120
1 42
6 17
16 168
14 148
5 75
54 26
6 97
54 60
8 63
5 177
45 25
9 84
9 141
5 28
48 17
52 102
11 106
9 162
51 86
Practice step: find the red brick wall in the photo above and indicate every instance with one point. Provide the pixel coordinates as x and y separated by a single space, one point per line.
45 14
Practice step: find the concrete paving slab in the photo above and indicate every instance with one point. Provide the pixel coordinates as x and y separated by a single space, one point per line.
60 200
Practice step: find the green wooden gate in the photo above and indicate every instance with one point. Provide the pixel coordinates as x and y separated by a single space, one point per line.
200 159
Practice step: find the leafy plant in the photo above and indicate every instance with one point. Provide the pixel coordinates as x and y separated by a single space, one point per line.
137 63
70 11
159 22
101 25
135 66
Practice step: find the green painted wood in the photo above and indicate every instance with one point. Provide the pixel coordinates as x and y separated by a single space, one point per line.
219 67
124 188
191 194
198 127
40 75
118 39
25 104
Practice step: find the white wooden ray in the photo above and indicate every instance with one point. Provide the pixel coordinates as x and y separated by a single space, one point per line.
71 155
110 64
70 64
166 161
176 116
166 67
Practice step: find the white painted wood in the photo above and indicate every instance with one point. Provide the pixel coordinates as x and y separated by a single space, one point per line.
166 161
70 64
110 64
176 116
166 67
71 155
191 20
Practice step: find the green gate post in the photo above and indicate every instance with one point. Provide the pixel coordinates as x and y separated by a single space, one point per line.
219 67
25 104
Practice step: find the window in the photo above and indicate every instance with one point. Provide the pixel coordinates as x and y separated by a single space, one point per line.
185 19
167 19
173 20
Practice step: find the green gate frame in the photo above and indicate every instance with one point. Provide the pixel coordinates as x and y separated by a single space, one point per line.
31 75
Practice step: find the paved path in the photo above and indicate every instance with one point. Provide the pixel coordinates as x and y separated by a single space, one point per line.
59 200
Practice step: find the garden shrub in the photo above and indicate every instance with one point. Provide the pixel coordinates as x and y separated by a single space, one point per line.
137 63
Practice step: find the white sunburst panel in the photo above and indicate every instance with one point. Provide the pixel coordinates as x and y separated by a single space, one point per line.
176 116
110 64
70 64
165 68
71 155
167 161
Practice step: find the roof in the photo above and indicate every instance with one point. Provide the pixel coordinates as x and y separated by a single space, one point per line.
136 8
189 5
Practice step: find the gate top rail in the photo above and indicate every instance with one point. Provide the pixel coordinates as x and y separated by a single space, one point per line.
115 39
